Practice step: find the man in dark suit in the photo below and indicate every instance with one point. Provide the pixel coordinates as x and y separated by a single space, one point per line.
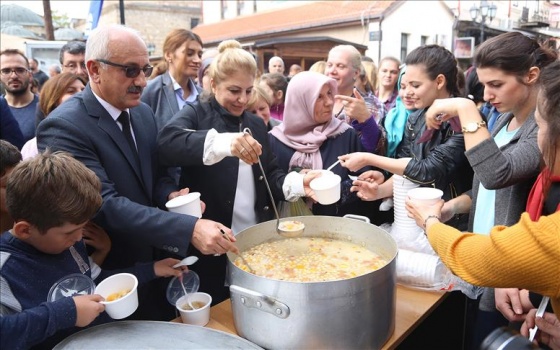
121 149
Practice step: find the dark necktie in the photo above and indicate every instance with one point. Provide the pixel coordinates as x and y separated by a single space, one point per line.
125 122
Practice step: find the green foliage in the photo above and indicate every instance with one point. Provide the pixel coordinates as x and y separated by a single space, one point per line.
60 20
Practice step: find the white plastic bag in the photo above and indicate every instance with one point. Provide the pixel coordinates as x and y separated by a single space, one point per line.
428 272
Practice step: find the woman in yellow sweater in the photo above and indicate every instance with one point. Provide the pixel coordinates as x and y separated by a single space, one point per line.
526 255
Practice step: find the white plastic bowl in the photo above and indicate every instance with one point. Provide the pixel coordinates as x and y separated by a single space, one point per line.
122 307
188 204
197 317
427 195
326 188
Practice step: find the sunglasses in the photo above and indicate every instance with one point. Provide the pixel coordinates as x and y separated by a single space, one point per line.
130 71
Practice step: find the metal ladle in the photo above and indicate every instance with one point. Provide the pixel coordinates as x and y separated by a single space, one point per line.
280 231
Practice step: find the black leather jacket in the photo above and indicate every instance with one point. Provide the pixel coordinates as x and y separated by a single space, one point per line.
439 162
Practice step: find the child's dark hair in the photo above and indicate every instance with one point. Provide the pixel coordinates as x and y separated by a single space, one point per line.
10 156
436 60
276 81
52 189
474 89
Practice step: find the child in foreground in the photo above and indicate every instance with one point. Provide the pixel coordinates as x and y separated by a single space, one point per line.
51 198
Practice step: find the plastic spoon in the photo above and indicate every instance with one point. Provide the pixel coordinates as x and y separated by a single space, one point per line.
333 165
189 260
185 290
282 232
540 313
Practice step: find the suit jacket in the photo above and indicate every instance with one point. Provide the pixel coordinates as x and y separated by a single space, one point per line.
131 192
160 96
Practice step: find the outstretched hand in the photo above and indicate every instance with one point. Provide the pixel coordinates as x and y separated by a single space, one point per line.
208 238
367 185
308 176
184 192
355 161
164 268
419 210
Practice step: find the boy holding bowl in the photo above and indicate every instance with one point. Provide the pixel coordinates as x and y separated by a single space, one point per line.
51 198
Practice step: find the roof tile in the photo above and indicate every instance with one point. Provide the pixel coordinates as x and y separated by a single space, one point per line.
309 15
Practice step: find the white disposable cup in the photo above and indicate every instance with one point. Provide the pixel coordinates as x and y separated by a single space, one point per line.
326 188
416 269
427 195
197 317
122 307
188 204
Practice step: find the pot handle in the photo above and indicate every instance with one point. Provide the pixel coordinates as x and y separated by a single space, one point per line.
251 299
357 217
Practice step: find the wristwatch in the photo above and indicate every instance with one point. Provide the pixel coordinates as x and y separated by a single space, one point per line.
473 126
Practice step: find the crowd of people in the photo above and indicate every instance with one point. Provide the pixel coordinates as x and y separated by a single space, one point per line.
89 162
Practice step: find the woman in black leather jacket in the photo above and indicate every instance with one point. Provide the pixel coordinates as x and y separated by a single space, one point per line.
427 157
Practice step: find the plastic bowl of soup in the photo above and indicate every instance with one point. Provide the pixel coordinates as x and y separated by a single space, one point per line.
197 312
326 188
120 292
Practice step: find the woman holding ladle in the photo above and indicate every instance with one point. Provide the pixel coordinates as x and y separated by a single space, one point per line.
220 161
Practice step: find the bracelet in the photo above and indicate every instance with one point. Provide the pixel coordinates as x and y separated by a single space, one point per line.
428 218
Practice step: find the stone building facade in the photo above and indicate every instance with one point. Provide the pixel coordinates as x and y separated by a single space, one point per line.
153 19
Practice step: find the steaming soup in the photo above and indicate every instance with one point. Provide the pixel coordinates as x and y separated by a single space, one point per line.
310 259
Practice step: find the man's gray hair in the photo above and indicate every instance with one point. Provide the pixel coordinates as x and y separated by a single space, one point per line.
275 58
97 46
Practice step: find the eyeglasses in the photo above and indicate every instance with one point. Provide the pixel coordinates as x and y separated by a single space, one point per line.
74 66
130 71
18 71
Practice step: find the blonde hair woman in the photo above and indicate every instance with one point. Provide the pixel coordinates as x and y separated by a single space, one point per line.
259 105
219 159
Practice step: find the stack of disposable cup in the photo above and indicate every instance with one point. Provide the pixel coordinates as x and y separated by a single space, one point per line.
404 229
421 270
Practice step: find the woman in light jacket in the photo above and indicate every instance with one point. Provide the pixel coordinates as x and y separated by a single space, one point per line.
172 84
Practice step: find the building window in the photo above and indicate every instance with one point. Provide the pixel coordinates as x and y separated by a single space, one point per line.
151 49
404 46
240 7
223 7
194 22
423 40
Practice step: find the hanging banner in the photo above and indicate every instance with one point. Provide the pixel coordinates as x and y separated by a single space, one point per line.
95 7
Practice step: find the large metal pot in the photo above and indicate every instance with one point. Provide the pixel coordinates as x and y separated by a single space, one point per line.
346 314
